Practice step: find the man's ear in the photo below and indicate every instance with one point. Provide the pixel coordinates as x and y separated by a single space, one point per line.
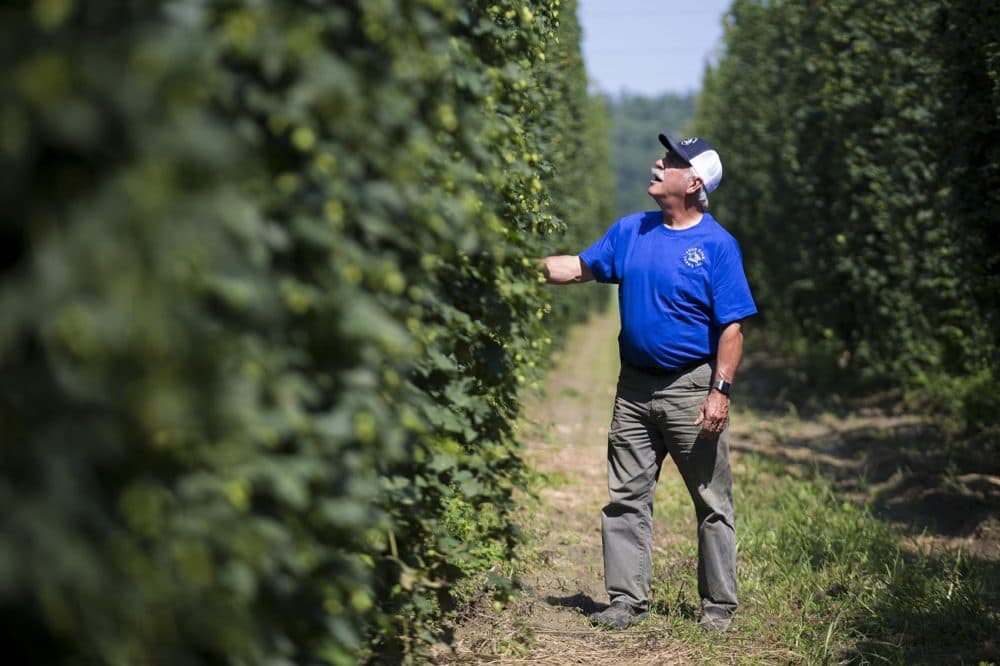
694 185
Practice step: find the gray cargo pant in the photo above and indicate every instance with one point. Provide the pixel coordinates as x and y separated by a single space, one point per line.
654 415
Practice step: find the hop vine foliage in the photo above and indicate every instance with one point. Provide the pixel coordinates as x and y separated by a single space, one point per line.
270 302
862 169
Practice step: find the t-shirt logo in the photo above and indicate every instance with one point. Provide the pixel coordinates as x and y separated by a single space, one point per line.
694 257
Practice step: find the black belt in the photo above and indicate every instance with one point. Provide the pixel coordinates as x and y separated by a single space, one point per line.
664 372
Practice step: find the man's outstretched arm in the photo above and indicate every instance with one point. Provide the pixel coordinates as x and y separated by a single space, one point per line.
565 269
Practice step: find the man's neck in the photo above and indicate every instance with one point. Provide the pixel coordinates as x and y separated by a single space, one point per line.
684 218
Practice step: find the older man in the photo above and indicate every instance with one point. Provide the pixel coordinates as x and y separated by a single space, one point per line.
682 296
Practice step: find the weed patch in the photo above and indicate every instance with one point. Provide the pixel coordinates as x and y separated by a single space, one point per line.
834 582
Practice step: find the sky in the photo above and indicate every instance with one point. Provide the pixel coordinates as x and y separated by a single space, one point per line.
649 47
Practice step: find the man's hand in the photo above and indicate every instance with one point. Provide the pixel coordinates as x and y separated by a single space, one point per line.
714 416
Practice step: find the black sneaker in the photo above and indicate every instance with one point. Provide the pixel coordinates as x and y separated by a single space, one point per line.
617 616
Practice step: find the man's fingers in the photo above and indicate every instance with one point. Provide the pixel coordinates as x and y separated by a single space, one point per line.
713 424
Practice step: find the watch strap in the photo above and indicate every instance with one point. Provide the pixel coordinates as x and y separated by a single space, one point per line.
722 386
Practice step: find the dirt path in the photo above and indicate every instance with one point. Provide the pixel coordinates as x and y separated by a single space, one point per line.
566 440
566 432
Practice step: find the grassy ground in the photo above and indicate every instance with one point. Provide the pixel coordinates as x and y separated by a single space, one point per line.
823 578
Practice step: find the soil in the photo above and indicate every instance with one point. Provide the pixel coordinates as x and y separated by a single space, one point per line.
872 454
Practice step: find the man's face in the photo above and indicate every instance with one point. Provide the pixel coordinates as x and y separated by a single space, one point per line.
670 177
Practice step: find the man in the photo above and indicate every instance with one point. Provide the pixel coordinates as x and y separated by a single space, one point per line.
682 296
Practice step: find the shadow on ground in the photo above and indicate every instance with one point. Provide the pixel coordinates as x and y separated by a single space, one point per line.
906 466
585 605
582 603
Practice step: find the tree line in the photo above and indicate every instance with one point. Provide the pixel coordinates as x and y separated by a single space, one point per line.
636 121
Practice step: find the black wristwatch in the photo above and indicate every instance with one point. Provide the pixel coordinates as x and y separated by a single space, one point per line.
722 386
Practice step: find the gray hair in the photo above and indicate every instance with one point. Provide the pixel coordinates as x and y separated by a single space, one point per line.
702 194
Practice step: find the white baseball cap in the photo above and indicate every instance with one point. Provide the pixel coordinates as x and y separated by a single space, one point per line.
702 157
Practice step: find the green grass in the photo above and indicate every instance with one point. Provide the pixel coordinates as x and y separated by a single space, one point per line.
824 581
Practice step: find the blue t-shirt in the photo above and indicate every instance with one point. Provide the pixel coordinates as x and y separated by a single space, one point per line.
676 289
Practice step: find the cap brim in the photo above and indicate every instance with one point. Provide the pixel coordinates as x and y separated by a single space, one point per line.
669 144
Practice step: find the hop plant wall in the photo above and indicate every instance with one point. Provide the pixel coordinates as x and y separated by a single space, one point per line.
270 301
862 168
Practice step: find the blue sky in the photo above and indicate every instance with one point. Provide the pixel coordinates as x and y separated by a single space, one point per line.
649 46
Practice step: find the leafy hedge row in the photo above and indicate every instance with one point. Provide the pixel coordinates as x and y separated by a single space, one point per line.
863 171
269 298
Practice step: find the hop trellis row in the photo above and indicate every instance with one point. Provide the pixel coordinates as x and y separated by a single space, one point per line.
269 308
